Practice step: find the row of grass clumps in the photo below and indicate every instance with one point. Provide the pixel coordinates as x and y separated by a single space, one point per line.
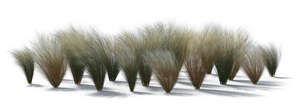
158 49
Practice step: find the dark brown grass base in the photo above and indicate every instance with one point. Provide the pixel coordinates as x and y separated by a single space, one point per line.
145 75
196 72
224 68
131 78
77 70
209 70
168 81
97 73
113 71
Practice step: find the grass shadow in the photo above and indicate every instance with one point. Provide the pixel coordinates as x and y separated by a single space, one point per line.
228 93
62 89
108 93
35 85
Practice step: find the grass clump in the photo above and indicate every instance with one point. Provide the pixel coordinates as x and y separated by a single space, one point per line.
200 57
241 43
172 42
25 60
225 54
253 64
111 64
72 43
50 58
271 57
94 55
164 65
128 50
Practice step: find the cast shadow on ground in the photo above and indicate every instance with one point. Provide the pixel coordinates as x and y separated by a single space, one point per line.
108 93
86 87
227 93
35 85
261 82
62 89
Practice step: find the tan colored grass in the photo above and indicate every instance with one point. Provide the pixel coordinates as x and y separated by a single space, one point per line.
253 64
163 64
49 56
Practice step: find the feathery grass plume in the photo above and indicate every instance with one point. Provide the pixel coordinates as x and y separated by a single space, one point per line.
271 57
128 49
241 42
225 55
25 60
94 55
72 43
50 58
164 66
253 64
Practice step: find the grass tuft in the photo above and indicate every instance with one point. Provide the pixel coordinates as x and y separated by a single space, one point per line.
72 43
225 53
50 58
25 60
271 57
127 50
94 55
253 64
241 43
164 65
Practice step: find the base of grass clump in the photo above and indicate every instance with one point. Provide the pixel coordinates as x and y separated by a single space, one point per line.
210 67
234 71
131 78
25 60
224 67
77 71
197 69
97 73
113 71
145 75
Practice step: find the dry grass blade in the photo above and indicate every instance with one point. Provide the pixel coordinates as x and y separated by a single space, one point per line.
271 57
164 65
253 64
50 58
72 43
25 61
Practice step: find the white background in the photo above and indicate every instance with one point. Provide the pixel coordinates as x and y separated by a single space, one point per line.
275 21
